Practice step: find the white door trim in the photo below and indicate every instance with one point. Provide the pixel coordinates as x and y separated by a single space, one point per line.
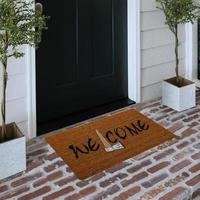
134 72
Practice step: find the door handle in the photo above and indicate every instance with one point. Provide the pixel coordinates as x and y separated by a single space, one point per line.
39 7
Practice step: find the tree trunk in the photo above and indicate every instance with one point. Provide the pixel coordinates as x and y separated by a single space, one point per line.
177 56
3 102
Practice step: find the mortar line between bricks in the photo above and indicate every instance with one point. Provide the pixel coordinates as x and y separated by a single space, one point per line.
197 142
178 132
174 175
31 149
52 191
52 183
185 154
18 178
73 184
160 183
183 184
180 150
166 190
175 162
191 177
194 162
62 168
192 189
99 189
141 193
139 181
119 184
30 191
135 184
108 176
96 183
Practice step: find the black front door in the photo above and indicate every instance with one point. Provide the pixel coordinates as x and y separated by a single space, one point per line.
82 60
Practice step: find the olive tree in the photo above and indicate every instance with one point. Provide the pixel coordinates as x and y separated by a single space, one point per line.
178 12
20 24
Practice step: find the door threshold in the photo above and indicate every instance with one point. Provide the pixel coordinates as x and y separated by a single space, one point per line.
77 117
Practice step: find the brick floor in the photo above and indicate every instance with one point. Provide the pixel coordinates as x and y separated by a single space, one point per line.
170 171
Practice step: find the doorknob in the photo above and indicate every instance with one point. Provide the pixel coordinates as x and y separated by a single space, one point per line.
39 7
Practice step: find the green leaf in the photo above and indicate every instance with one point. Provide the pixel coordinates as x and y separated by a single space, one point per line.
19 24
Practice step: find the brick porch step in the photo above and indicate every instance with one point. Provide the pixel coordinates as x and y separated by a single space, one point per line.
170 171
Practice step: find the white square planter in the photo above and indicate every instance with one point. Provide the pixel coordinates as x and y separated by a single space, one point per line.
178 98
13 154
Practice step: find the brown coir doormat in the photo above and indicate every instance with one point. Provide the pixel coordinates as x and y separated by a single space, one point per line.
103 143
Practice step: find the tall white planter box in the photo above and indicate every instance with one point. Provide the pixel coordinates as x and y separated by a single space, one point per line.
178 98
12 153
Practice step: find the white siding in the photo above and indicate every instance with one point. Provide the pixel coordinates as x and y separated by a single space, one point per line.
157 50
17 110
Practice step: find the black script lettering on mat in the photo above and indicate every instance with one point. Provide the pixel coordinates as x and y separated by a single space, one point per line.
120 133
123 132
86 148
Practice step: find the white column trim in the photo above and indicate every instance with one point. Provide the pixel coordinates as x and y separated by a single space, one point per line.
134 71
191 51
31 90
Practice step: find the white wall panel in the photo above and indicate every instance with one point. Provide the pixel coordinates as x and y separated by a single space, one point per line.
148 5
157 50
159 37
151 92
16 107
155 74
152 20
16 87
161 54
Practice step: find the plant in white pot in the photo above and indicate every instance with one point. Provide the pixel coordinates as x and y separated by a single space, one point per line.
20 24
178 92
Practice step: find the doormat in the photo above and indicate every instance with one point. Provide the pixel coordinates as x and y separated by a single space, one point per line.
98 145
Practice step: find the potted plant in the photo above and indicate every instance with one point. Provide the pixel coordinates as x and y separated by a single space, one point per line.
20 24
178 92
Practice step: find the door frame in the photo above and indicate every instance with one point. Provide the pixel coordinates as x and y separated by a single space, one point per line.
134 71
134 57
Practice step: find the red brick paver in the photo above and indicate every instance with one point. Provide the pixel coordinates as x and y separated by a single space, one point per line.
170 171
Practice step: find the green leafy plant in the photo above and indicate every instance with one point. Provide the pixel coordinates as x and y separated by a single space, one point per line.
178 12
20 24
